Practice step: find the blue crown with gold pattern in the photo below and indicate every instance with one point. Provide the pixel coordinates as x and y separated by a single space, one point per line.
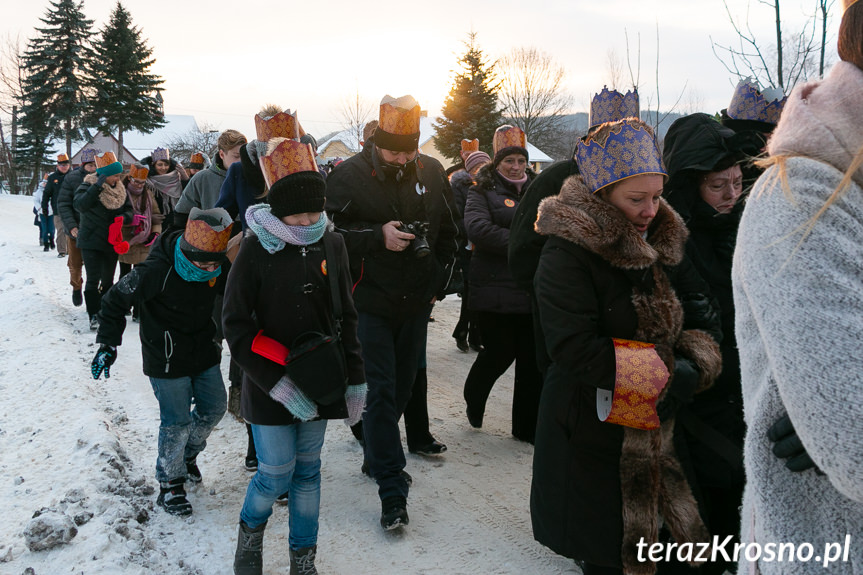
627 149
611 106
89 155
751 103
161 154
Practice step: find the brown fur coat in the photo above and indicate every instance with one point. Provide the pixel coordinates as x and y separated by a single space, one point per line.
652 482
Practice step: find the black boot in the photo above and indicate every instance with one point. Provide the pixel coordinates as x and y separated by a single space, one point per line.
394 513
303 561
172 497
77 298
248 560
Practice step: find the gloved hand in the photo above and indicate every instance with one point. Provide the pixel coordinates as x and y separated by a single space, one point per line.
151 239
681 389
294 400
104 359
100 179
355 398
787 446
138 219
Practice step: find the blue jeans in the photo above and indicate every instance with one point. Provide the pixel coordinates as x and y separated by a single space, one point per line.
46 226
289 459
183 430
392 350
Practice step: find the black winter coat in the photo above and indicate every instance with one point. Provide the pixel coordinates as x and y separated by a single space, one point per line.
52 192
491 204
96 218
65 200
596 485
177 329
525 244
286 294
362 196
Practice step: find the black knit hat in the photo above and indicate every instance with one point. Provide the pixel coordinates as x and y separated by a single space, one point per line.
504 152
298 193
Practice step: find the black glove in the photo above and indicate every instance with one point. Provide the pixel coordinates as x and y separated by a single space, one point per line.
101 180
105 358
787 446
680 390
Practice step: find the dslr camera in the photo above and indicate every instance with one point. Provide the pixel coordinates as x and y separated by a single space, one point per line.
420 242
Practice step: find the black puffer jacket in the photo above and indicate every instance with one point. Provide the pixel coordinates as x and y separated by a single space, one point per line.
491 205
65 200
177 328
95 217
52 192
362 196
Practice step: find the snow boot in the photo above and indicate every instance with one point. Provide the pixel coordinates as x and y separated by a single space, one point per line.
77 298
394 513
172 497
94 323
193 474
303 561
248 559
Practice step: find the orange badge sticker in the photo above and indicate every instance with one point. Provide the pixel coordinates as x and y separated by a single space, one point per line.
324 267
509 203
212 282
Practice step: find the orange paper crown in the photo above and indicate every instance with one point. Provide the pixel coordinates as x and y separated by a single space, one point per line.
202 237
507 137
399 121
282 125
640 377
62 158
105 159
138 172
289 157
470 145
197 158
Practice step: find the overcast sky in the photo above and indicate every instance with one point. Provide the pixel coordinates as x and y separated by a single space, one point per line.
221 61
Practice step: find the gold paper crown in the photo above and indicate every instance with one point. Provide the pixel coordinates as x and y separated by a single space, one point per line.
507 137
282 125
197 158
62 158
138 172
105 159
202 237
399 121
847 4
288 157
470 145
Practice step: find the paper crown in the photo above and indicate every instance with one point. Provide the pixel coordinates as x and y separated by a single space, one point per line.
399 116
207 233
289 157
751 103
196 161
847 4
508 137
89 155
105 159
640 376
62 159
138 172
282 125
161 154
107 165
611 106
629 149
470 145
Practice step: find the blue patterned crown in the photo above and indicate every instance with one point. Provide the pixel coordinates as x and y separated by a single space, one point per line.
89 155
161 154
627 149
751 103
611 106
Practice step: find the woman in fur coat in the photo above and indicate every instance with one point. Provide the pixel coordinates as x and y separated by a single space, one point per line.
798 296
621 310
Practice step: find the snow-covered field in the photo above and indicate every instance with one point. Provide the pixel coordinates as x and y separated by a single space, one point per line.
79 449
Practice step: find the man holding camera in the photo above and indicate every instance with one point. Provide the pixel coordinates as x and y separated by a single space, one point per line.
394 208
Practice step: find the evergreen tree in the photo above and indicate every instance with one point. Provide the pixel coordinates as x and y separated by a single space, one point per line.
55 86
471 109
124 89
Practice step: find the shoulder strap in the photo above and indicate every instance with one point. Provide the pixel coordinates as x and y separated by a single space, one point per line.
333 278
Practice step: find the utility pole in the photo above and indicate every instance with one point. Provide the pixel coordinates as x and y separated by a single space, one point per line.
13 166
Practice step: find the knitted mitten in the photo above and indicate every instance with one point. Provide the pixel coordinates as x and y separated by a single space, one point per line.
355 397
294 400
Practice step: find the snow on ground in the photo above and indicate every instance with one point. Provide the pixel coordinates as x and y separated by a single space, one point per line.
86 449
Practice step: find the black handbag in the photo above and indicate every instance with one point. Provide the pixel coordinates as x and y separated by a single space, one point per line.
316 361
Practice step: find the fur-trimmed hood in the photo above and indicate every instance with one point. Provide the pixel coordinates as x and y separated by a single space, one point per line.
583 218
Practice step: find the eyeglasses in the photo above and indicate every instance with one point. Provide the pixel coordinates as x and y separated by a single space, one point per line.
208 266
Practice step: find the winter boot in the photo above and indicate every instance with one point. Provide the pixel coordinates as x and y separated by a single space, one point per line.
51 242
94 323
193 474
303 561
394 513
248 560
77 298
172 497
47 247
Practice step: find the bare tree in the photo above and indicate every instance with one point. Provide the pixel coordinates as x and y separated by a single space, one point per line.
824 7
783 64
205 139
12 71
614 70
355 113
532 92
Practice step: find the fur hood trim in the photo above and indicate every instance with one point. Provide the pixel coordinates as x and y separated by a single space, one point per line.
583 218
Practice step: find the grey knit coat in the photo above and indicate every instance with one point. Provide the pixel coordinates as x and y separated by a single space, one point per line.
799 328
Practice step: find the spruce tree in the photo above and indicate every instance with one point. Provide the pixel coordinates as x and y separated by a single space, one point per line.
55 85
471 109
124 96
